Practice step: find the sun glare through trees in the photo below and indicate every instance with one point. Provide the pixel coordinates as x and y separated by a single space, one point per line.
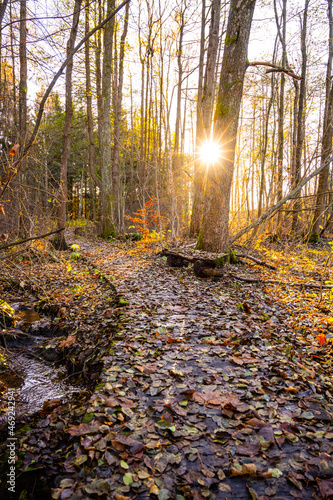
210 152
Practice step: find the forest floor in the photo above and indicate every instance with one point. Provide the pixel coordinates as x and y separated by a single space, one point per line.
196 388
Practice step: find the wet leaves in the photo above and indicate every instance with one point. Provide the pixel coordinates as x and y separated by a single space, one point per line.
198 398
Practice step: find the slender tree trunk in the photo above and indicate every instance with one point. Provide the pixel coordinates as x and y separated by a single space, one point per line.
117 122
214 232
300 119
90 121
107 194
60 241
322 197
281 104
98 51
180 77
23 194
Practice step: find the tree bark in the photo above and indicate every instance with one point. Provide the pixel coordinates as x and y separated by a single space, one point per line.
117 122
108 228
214 232
90 121
22 191
205 111
300 127
60 241
322 198
282 33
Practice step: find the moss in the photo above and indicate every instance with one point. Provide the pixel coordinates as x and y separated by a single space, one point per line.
221 108
219 261
26 428
98 387
233 257
314 238
199 245
230 39
88 418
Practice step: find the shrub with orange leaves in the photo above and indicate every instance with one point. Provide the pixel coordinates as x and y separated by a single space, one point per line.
146 218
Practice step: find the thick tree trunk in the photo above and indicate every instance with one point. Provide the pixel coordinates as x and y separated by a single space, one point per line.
214 232
322 196
204 112
108 228
60 241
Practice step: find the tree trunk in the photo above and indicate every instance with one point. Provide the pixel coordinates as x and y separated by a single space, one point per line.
60 241
323 188
300 119
108 228
214 232
24 223
204 111
282 34
90 122
117 121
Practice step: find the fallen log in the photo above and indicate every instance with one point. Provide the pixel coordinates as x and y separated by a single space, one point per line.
175 259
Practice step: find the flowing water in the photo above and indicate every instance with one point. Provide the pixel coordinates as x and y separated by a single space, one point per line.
34 379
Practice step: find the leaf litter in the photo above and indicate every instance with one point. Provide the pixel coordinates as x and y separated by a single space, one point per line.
199 396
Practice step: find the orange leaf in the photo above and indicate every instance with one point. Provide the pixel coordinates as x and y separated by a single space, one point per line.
321 339
15 148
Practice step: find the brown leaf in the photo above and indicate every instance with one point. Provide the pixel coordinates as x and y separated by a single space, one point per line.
326 488
82 429
249 449
71 339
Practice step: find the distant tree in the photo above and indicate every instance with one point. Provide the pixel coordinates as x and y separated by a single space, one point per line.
59 240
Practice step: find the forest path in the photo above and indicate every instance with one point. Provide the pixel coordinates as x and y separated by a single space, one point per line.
200 399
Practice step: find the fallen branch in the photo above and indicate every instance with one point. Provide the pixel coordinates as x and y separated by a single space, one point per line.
281 283
257 261
275 207
19 242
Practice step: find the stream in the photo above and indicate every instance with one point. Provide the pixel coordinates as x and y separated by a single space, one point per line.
34 379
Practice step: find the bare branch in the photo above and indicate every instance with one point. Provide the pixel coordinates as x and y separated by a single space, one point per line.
275 207
19 242
16 165
275 69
